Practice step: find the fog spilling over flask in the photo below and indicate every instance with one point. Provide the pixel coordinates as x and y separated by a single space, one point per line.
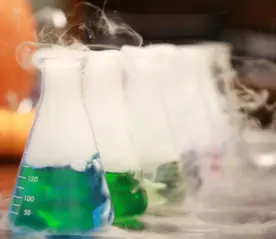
61 187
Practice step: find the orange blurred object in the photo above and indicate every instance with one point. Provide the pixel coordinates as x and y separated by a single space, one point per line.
14 131
17 26
8 173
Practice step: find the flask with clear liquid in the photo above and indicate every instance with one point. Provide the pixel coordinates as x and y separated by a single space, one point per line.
187 88
201 115
61 187
149 126
104 99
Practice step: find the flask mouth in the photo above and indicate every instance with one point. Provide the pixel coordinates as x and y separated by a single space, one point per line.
107 57
30 55
102 47
55 52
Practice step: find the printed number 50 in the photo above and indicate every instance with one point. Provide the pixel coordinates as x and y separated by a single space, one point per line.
27 212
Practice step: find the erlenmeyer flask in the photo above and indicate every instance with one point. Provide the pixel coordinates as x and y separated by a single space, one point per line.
194 107
149 126
61 187
104 99
203 130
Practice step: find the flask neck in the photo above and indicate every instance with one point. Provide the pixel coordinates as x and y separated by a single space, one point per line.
149 123
102 76
104 100
61 119
62 81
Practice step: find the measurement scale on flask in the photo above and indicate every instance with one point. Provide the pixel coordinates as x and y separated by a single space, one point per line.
20 197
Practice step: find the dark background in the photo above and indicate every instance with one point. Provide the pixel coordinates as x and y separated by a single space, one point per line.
186 21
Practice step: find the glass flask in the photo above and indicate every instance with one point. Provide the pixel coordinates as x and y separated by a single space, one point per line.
104 100
196 110
61 187
226 190
160 162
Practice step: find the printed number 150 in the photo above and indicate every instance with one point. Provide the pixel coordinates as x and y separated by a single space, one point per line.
33 179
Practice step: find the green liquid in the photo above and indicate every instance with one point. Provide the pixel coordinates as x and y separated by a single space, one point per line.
60 201
128 197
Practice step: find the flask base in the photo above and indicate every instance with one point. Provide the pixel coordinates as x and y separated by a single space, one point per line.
129 198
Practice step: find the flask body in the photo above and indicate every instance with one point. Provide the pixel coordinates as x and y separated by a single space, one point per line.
104 100
61 187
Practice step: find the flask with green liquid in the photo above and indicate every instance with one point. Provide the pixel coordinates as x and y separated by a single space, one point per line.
61 187
104 100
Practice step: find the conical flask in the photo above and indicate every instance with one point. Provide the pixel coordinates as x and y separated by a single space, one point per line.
149 125
192 101
104 99
201 116
61 187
